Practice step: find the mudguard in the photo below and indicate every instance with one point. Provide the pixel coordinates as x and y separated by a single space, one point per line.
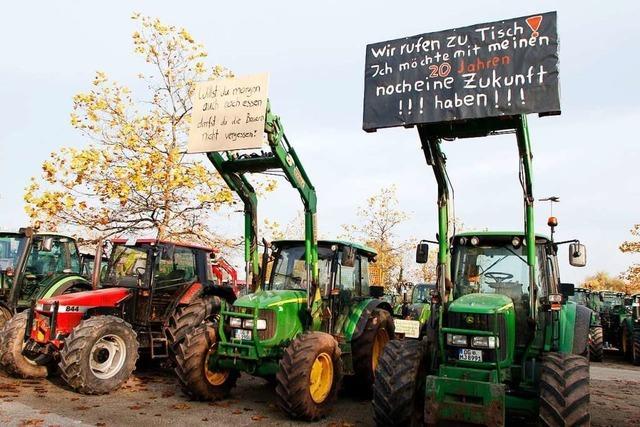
59 284
359 316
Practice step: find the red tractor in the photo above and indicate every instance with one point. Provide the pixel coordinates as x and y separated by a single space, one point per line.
153 292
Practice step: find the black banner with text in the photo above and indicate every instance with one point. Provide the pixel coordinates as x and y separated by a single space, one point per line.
486 70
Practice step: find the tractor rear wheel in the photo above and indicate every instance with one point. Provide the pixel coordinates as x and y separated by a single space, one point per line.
11 345
398 390
192 366
186 318
636 346
596 350
564 390
309 377
367 349
99 355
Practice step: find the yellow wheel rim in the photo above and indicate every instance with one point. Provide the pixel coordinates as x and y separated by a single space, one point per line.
381 339
321 378
215 378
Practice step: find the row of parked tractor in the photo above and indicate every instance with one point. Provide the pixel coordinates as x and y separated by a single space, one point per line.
489 339
615 323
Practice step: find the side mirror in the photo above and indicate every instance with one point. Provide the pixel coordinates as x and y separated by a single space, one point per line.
567 289
46 244
577 255
376 291
422 252
348 256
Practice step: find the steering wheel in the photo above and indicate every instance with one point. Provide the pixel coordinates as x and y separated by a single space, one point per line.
140 271
498 276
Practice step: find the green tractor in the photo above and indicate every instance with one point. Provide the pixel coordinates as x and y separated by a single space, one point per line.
502 339
584 297
411 316
313 321
613 312
36 265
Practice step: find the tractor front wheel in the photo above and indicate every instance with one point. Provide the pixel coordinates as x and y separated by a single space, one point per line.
11 345
398 389
309 377
192 366
99 355
564 390
367 349
596 350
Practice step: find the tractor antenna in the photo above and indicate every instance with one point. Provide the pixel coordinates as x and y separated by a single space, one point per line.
552 222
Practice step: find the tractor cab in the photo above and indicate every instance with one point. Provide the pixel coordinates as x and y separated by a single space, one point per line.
34 265
581 296
421 293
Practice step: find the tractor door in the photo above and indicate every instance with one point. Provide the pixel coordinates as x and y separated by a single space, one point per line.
175 270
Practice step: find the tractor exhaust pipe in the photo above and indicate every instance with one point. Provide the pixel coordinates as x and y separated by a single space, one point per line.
97 263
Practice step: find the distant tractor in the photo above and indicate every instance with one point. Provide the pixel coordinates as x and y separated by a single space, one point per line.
411 316
613 312
313 320
152 293
584 297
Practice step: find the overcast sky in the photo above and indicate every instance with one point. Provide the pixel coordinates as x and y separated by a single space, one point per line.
314 52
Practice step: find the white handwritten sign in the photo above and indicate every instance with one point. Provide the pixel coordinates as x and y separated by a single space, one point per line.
228 114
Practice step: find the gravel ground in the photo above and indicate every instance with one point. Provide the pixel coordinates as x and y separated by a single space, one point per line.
153 397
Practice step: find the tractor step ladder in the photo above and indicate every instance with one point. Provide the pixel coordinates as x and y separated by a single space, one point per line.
158 341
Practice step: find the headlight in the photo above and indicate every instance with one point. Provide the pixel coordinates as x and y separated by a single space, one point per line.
235 322
261 324
457 340
485 342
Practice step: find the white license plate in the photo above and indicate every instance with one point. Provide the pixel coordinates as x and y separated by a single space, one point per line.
242 334
470 355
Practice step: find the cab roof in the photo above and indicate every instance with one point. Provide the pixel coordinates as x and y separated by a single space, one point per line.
362 248
151 241
498 234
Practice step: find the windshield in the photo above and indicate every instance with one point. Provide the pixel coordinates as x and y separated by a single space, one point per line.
289 270
579 298
422 293
126 265
611 300
10 248
493 270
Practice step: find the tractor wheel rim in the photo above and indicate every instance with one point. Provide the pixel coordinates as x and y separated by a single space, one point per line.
215 378
381 339
321 378
107 356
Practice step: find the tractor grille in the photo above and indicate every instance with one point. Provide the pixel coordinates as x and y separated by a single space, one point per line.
479 322
268 315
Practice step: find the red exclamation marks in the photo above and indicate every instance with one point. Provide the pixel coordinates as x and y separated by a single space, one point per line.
534 23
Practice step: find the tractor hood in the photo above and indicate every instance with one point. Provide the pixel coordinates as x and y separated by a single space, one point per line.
271 299
481 303
109 297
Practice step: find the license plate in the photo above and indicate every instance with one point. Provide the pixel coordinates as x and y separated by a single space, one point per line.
242 334
470 355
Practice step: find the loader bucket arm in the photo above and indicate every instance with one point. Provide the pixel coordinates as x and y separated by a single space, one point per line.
282 157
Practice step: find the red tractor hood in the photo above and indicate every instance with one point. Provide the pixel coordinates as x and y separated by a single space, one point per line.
109 297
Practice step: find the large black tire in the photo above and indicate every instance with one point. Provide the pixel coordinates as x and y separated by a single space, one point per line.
367 348
185 318
596 349
11 345
300 395
564 390
95 339
398 389
191 366
636 346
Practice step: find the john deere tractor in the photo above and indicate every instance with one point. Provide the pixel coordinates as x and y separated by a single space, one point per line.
316 320
635 322
584 297
153 292
412 314
502 338
613 313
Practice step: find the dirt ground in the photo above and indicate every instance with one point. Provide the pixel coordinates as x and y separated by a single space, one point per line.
153 398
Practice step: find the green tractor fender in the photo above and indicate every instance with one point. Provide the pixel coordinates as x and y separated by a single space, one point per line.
359 315
575 321
59 284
